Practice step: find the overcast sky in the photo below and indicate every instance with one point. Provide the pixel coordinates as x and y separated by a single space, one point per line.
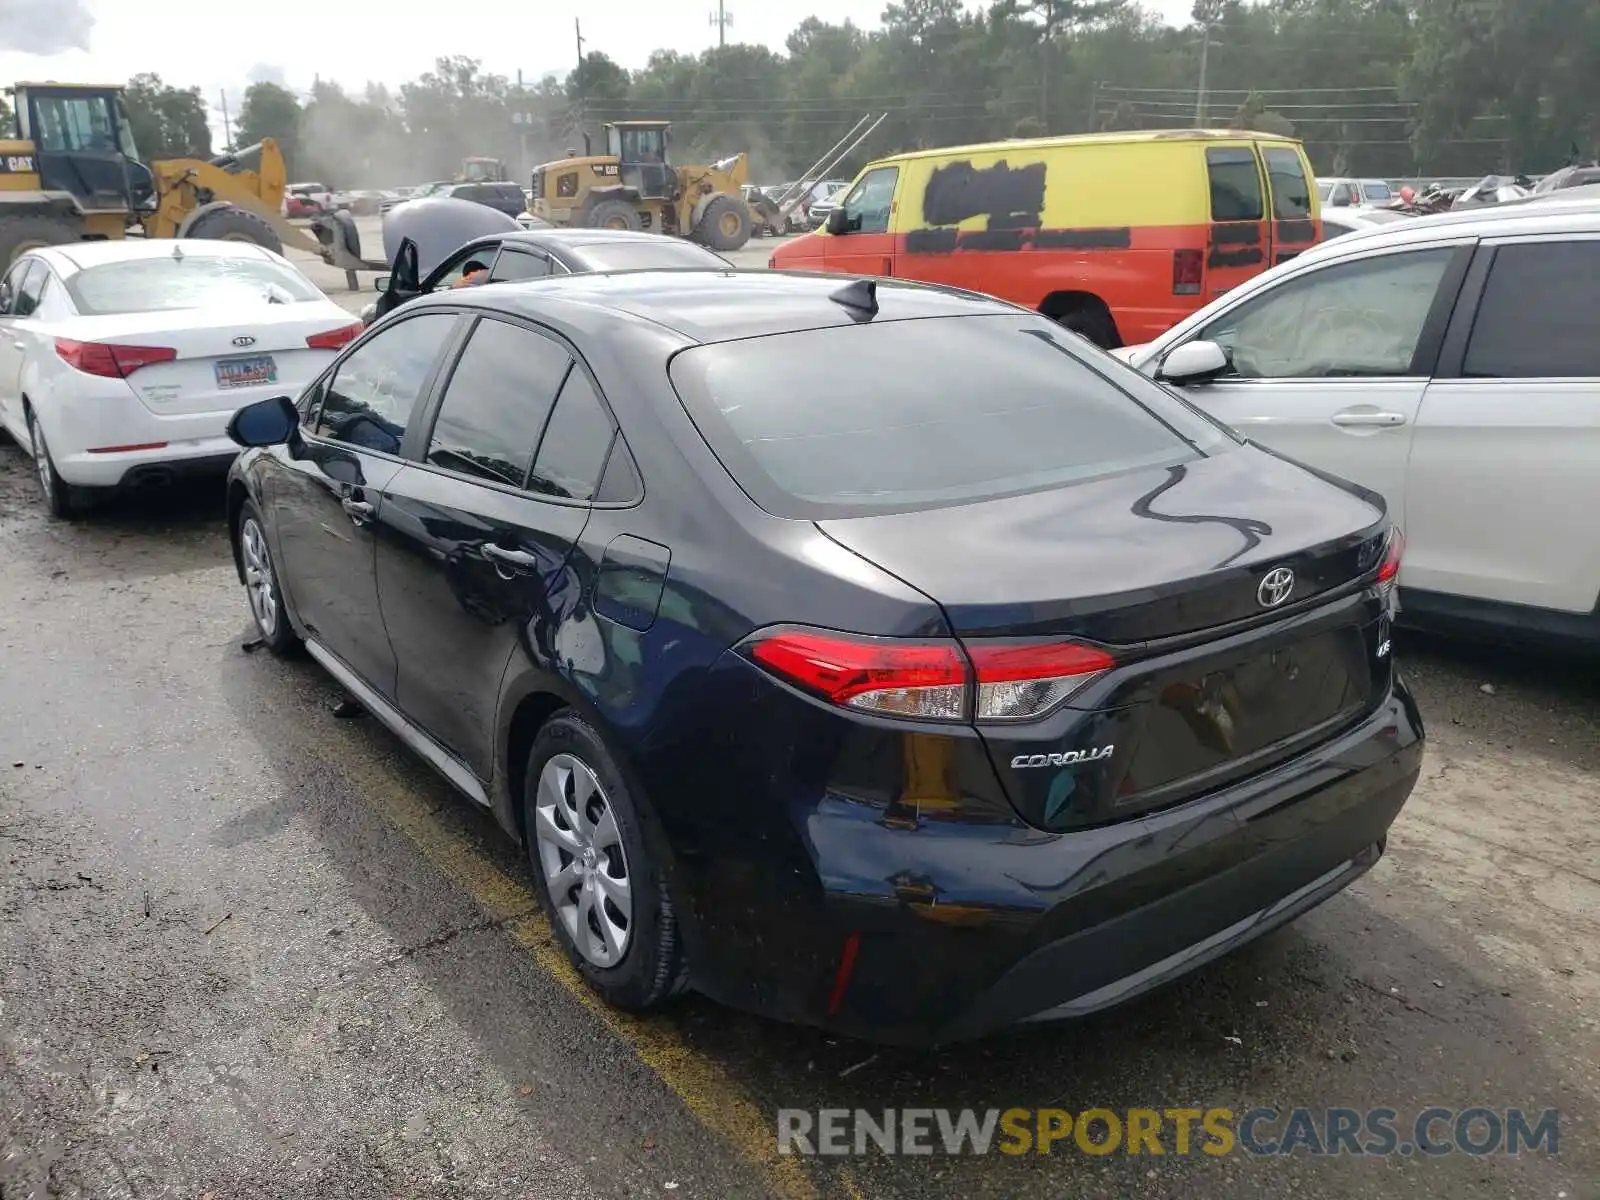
223 45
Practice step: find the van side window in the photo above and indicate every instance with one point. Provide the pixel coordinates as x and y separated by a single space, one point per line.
1235 184
1291 190
867 206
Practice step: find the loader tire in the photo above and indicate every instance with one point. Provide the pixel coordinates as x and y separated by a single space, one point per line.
18 235
725 225
236 225
614 214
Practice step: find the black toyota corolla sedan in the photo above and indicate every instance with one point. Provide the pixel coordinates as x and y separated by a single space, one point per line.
863 654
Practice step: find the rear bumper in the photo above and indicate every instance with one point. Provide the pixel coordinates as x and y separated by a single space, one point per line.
137 468
960 927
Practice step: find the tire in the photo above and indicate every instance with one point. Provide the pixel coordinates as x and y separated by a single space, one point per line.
61 499
265 596
572 784
236 225
1093 324
725 225
21 234
614 214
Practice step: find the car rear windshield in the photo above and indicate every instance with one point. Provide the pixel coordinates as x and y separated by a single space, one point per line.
901 415
646 256
193 281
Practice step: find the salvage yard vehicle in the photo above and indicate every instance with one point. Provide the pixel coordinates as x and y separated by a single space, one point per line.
633 186
847 701
1452 363
71 172
121 362
539 254
1116 235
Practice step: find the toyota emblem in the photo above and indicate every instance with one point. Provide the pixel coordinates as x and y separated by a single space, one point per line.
244 339
1276 586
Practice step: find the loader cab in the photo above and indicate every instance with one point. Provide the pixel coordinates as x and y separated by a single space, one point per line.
482 170
83 144
640 148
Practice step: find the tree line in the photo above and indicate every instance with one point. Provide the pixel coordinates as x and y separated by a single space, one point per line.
1392 88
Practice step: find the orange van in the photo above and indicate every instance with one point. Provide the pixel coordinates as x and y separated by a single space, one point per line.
1116 235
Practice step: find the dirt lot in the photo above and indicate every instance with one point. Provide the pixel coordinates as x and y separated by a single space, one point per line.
248 949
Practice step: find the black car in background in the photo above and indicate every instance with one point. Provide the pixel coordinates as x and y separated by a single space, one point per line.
868 655
518 255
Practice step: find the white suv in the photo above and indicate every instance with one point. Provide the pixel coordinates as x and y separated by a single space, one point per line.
1451 363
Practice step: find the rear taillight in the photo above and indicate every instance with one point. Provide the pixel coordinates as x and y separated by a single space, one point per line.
1389 569
108 360
1188 266
335 339
931 680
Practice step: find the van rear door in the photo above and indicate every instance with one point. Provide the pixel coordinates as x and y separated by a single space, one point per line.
1238 244
1294 211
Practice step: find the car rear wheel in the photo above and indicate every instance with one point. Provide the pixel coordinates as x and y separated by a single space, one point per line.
261 584
61 498
600 885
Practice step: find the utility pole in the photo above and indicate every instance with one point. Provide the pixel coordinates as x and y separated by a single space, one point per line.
1047 48
577 28
722 19
1200 95
227 123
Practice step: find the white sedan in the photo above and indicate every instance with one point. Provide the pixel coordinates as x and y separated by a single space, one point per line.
122 362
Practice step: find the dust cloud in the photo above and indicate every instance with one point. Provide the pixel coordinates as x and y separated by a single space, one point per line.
44 26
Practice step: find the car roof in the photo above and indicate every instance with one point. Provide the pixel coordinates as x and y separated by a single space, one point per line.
1546 214
70 257
717 306
1112 137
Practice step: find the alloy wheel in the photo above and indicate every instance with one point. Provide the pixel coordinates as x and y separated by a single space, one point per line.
585 866
258 581
41 460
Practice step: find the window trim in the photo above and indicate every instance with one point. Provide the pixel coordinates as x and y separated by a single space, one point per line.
419 406
417 456
1453 353
1425 360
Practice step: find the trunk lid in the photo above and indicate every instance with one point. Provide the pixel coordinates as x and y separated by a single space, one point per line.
1169 569
211 372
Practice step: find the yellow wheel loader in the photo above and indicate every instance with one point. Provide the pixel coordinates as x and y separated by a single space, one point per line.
70 172
633 186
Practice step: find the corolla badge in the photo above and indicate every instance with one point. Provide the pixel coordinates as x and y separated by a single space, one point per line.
1067 758
243 340
1276 586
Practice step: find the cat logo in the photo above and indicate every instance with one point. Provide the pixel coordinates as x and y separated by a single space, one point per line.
18 164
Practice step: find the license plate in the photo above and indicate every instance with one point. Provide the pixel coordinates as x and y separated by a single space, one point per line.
246 372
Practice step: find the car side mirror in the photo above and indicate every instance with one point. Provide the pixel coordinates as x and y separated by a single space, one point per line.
838 221
268 422
1193 362
381 283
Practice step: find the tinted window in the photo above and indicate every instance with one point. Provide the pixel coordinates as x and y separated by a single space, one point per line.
1291 190
1537 315
9 286
169 283
374 390
1357 318
575 443
643 256
496 403
517 264
620 484
29 289
1235 185
1376 193
915 414
456 268
867 205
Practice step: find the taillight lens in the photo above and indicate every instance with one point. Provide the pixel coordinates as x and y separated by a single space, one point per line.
335 339
931 680
1188 267
109 360
1389 568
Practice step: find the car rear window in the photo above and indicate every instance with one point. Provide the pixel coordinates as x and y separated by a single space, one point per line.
902 415
644 256
193 281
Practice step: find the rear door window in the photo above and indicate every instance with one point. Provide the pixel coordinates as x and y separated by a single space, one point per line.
496 403
513 265
30 286
1235 184
573 450
902 415
1291 190
1537 315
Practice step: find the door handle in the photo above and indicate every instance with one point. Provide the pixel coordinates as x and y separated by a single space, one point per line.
359 511
519 560
1384 420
